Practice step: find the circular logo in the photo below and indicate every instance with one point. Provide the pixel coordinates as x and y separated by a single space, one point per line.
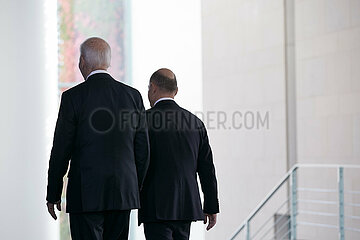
102 120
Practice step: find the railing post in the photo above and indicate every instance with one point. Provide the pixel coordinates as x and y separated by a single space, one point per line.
247 230
341 202
293 206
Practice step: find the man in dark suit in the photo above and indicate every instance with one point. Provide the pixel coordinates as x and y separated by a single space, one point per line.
179 150
101 127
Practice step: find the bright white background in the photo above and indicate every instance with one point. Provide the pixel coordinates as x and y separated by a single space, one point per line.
167 33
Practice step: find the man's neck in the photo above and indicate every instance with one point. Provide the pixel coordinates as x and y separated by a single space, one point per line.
162 98
99 70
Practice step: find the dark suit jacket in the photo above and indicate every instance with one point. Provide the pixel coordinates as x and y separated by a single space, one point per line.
179 150
109 152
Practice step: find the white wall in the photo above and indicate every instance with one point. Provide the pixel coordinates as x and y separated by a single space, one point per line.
28 102
243 69
328 99
167 33
328 86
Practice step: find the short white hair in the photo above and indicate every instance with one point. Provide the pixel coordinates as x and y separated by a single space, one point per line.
96 52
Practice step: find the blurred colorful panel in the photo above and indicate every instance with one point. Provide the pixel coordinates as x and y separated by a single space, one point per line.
81 19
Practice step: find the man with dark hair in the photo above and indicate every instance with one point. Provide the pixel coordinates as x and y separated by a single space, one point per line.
179 150
109 159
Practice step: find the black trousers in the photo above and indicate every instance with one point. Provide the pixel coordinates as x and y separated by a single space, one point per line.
167 230
109 225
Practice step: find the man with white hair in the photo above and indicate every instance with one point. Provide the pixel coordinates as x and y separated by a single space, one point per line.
101 127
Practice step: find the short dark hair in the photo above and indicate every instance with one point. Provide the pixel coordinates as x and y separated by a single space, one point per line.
165 83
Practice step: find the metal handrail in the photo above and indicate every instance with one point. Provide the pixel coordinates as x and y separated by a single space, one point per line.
245 224
269 229
267 221
319 224
318 201
318 213
263 202
318 190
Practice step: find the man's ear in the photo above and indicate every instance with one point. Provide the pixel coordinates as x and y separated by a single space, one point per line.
176 91
154 87
81 62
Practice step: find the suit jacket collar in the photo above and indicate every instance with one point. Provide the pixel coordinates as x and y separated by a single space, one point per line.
96 71
165 104
97 76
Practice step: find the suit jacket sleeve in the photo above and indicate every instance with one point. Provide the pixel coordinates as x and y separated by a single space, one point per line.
141 145
206 172
62 148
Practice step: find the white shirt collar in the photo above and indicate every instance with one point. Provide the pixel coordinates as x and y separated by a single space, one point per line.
162 99
96 71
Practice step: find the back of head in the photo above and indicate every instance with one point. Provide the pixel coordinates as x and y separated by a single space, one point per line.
165 79
96 53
